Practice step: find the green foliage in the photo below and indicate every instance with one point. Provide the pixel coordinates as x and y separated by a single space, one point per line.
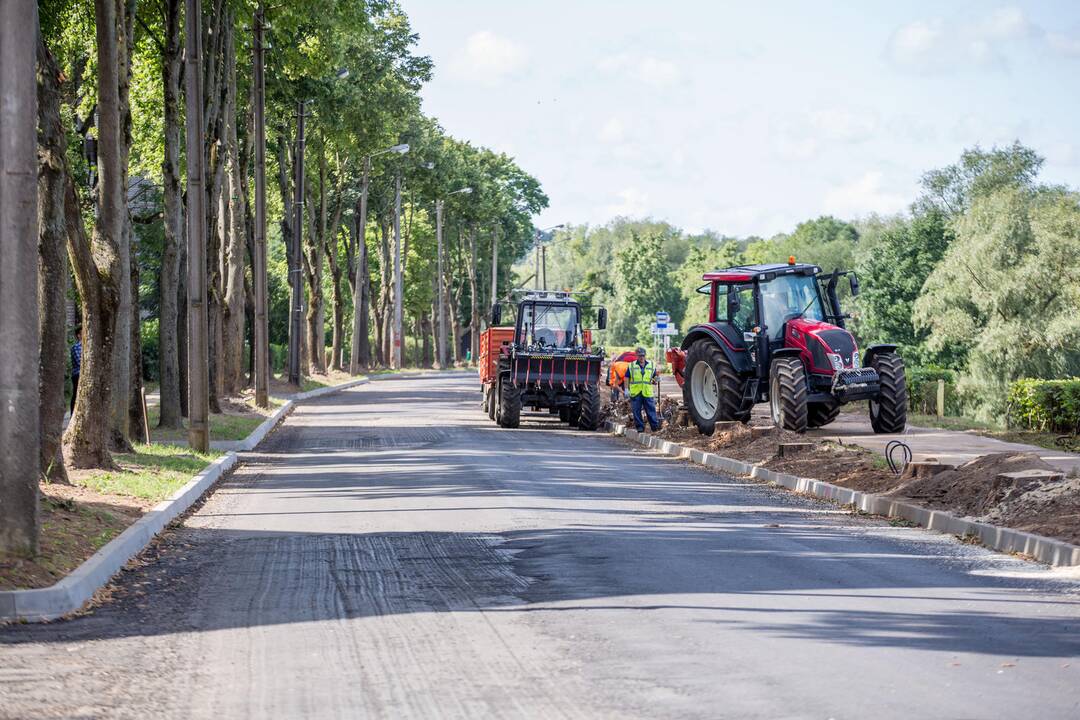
893 266
825 241
1006 290
952 190
644 279
922 384
1045 405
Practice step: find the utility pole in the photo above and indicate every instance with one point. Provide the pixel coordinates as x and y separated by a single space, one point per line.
358 287
261 370
20 429
297 303
198 323
440 321
543 254
536 275
395 350
495 266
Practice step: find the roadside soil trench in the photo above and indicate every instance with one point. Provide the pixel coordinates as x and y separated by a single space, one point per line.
1043 507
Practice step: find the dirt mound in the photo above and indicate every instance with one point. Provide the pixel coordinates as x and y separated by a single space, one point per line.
850 467
970 489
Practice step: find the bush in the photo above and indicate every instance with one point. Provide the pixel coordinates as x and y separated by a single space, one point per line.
1045 405
922 385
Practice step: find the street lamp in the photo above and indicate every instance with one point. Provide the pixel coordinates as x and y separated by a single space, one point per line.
297 303
541 250
354 351
440 323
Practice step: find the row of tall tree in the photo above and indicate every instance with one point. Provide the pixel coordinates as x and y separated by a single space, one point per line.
111 83
978 280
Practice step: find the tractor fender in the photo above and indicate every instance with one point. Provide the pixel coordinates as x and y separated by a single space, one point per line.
786 352
730 341
873 350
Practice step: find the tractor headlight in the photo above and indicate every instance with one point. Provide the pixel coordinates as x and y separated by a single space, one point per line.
856 361
837 362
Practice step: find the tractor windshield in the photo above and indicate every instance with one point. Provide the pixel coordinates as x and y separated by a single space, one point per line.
789 297
552 326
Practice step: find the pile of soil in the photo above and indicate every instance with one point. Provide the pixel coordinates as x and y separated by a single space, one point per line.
844 465
1050 508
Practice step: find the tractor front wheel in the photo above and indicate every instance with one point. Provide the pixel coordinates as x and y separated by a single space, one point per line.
712 391
509 410
589 414
820 414
787 394
888 411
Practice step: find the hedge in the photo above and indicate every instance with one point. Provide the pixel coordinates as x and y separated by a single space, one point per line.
1045 405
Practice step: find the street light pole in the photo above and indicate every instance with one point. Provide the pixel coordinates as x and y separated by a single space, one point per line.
297 304
536 275
358 287
198 322
20 431
395 350
261 370
541 256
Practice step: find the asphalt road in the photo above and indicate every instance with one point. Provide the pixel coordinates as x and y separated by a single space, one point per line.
389 553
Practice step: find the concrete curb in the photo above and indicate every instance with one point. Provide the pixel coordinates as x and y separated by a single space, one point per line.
1044 549
68 595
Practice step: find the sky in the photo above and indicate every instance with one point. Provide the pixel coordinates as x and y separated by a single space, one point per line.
748 117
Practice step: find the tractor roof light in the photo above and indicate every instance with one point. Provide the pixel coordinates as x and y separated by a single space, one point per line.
791 260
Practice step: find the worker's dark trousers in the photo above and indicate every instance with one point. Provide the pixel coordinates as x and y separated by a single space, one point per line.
74 391
637 402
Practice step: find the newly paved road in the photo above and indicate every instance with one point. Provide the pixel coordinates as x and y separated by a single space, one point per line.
390 553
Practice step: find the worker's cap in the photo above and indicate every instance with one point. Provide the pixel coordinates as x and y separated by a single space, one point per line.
640 351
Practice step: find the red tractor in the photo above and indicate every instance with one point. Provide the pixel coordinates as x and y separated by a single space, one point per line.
776 334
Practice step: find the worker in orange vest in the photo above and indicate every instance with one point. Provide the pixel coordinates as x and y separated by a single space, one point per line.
617 378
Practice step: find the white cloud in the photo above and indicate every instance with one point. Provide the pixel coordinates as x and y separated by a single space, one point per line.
648 69
613 131
844 125
632 202
864 196
488 58
936 45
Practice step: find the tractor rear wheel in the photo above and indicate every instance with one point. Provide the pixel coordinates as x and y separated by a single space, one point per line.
509 405
712 391
787 394
821 414
888 412
589 415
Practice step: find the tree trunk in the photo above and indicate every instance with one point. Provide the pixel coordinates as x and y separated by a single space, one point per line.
214 90
385 278
136 421
52 266
316 318
169 279
235 247
360 274
426 357
122 350
182 323
96 263
474 306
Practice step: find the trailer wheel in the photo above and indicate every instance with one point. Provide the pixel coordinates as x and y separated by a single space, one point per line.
712 391
787 394
821 414
589 418
888 412
509 405
564 413
489 401
573 415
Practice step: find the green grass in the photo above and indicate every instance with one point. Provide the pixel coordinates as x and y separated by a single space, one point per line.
222 426
152 472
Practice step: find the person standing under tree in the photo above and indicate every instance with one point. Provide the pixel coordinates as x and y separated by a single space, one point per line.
641 376
76 365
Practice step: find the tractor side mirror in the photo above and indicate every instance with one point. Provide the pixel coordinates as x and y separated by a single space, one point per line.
496 314
854 279
601 319
734 304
